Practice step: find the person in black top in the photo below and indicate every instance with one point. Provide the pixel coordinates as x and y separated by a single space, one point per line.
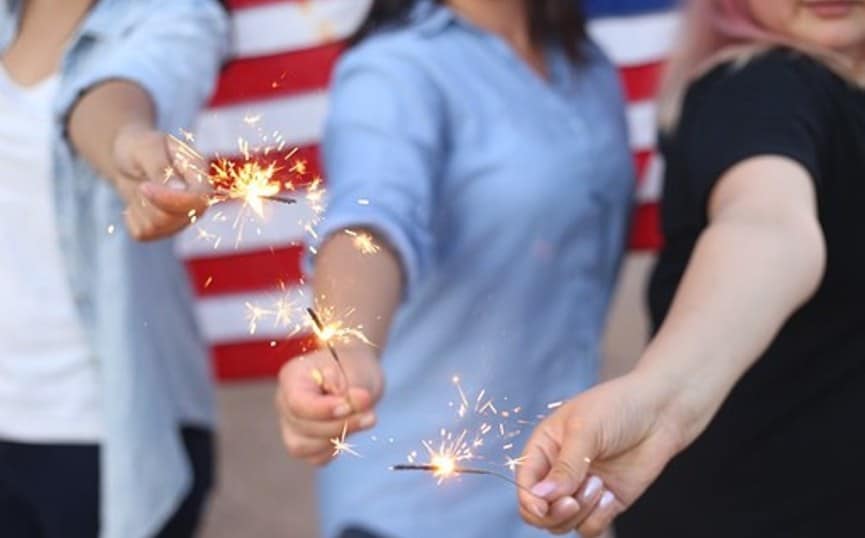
744 416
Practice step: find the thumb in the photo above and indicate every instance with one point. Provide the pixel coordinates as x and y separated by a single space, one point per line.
570 466
174 197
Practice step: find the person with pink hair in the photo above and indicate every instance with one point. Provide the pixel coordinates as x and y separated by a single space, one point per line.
743 416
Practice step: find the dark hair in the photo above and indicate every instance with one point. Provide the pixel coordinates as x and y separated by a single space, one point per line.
550 20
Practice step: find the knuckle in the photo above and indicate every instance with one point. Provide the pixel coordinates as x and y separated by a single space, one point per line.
567 469
529 517
292 444
293 404
321 460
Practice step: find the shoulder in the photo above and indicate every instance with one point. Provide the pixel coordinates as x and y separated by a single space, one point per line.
121 18
776 78
401 52
774 103
396 65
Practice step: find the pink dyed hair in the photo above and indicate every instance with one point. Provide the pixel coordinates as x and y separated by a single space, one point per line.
717 31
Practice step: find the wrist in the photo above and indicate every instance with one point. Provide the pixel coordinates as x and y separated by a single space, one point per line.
676 402
125 139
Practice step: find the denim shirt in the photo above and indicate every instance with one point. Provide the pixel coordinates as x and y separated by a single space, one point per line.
133 298
507 198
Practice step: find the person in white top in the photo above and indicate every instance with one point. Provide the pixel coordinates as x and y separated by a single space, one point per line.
52 423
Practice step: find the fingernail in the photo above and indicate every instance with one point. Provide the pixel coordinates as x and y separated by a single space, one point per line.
542 489
342 410
540 511
593 486
176 184
606 499
146 189
367 420
570 505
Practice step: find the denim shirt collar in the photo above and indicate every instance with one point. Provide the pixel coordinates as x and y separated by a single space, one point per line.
8 21
102 20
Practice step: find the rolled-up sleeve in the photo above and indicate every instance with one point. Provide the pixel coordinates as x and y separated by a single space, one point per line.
174 52
382 152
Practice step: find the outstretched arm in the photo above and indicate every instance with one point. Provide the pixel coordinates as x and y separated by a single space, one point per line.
761 257
155 79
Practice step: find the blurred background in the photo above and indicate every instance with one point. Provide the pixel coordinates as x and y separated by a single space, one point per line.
283 55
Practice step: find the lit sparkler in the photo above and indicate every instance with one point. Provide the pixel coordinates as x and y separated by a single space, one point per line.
444 468
252 179
450 456
340 445
326 334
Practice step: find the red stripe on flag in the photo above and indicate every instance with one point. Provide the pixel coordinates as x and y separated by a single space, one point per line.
246 272
641 81
308 156
257 359
646 229
277 75
641 162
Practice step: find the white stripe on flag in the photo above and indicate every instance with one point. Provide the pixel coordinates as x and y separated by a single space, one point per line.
636 39
298 118
287 26
225 318
653 181
216 234
641 125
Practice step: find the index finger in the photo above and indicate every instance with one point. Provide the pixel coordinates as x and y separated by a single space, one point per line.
536 464
190 164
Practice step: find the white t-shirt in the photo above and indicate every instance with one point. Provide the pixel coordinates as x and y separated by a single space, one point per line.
49 390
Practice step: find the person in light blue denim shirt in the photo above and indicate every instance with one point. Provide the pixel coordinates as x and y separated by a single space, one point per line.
106 397
483 147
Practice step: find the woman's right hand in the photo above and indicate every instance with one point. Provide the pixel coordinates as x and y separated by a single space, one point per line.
163 184
592 458
315 406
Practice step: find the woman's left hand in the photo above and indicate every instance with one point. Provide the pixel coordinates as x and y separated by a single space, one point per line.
593 457
163 184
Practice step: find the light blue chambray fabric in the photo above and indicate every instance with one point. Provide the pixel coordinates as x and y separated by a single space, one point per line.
507 198
134 299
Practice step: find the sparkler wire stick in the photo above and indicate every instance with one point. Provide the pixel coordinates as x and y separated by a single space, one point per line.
321 333
431 468
273 198
280 199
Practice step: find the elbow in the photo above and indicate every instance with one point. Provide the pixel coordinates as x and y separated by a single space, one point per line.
808 245
798 247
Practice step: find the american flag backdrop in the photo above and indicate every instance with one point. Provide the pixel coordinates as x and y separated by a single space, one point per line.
283 55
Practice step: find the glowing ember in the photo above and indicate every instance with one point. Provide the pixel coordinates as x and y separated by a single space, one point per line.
513 463
363 242
340 446
330 331
247 181
445 466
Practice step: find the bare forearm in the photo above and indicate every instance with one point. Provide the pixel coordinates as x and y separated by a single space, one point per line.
745 279
361 289
101 115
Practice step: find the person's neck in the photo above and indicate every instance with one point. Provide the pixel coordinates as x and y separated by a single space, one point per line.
509 19
506 18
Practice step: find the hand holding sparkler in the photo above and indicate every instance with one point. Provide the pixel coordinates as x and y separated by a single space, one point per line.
163 186
593 457
318 410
